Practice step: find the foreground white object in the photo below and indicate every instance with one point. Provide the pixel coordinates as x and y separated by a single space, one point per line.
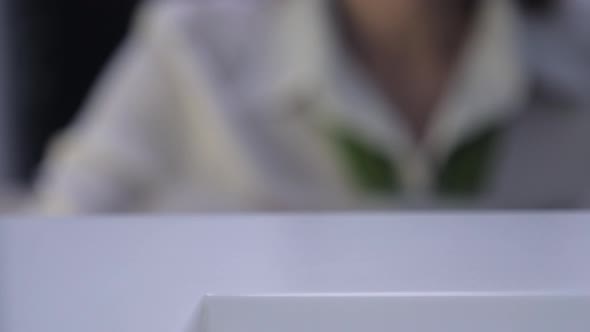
492 312
149 274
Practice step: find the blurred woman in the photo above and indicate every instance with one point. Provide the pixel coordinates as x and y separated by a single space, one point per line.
320 104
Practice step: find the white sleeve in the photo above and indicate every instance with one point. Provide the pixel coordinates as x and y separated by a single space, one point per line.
116 153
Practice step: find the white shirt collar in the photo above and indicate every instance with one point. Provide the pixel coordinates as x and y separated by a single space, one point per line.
490 84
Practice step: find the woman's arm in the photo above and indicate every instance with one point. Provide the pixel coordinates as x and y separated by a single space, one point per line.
115 154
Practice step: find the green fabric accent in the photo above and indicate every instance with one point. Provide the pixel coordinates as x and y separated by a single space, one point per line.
464 173
370 169
468 167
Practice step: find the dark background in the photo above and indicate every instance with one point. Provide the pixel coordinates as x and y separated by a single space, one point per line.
58 47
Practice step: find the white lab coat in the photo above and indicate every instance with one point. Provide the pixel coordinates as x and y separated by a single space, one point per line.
214 107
